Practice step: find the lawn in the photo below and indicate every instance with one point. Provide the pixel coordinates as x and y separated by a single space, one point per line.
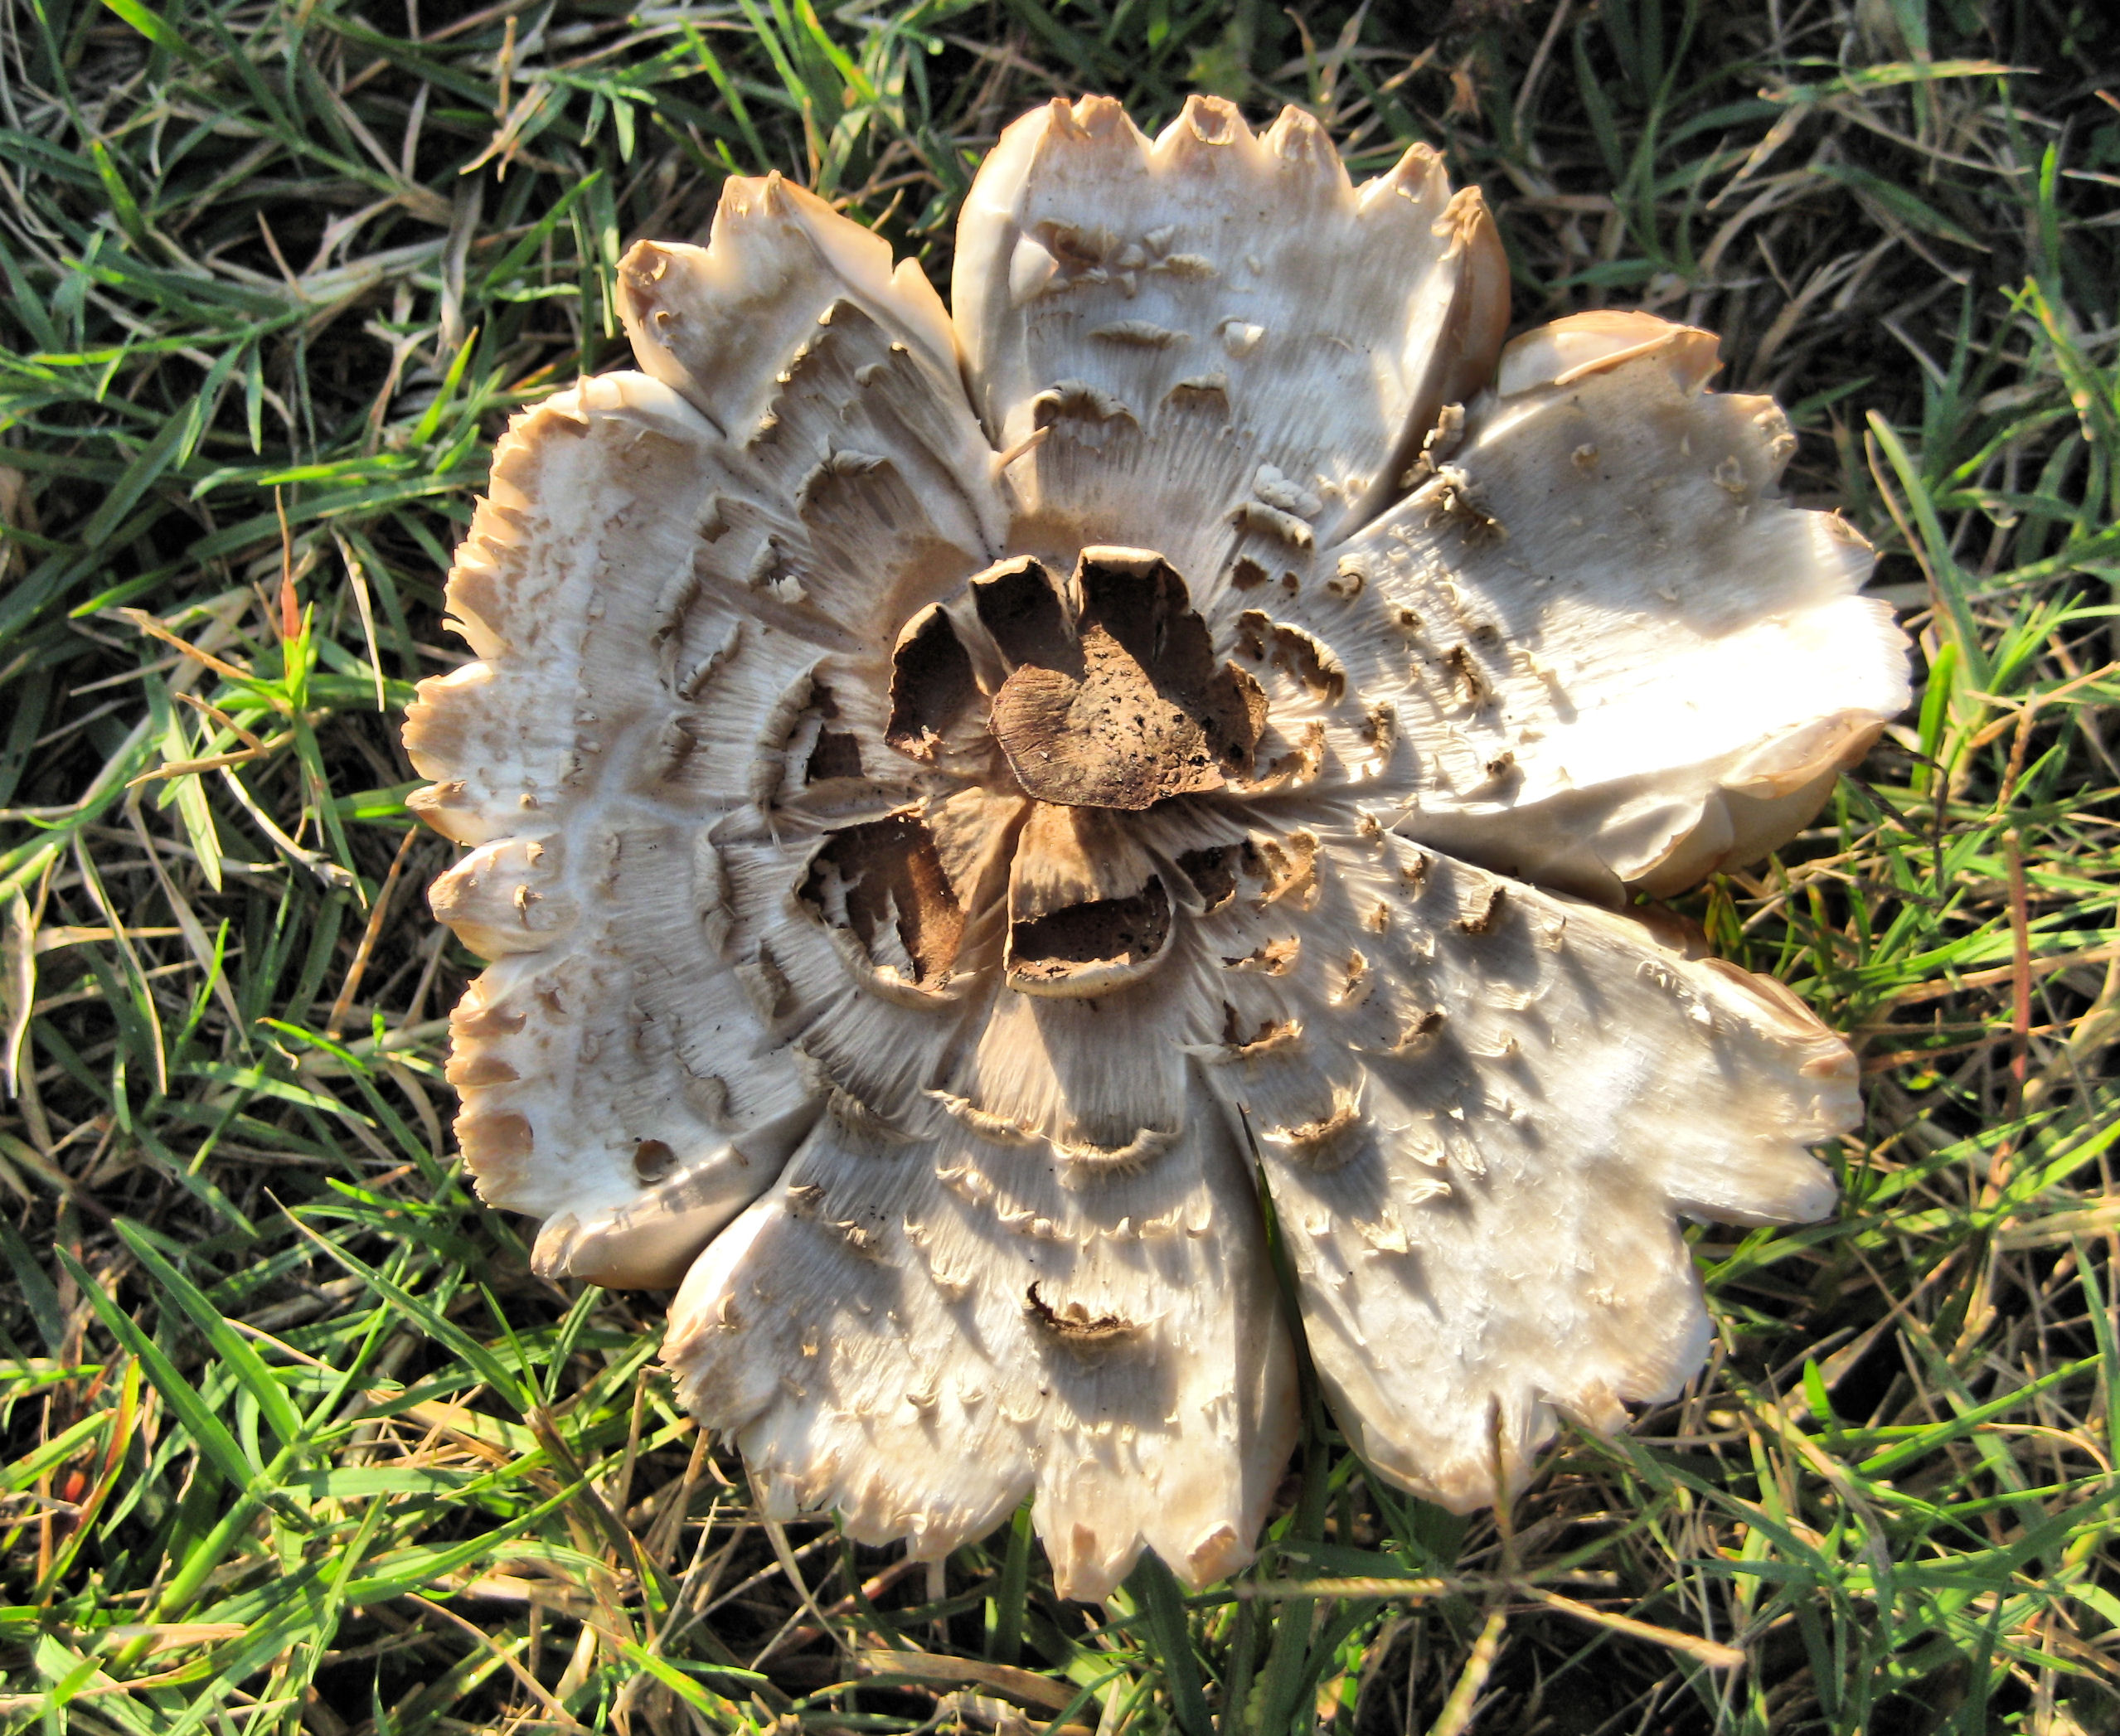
293 1438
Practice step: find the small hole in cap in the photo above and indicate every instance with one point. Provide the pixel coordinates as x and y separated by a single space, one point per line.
652 1160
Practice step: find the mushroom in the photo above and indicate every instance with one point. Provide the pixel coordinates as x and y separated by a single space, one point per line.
956 801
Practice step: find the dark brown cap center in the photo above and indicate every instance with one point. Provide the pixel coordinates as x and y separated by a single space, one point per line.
1117 701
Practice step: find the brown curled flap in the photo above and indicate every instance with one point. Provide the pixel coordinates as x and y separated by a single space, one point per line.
884 880
1305 656
1022 610
1073 1325
1087 911
1485 917
1213 873
931 683
836 754
1139 711
1104 942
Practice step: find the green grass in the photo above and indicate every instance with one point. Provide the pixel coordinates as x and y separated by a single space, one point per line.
292 1438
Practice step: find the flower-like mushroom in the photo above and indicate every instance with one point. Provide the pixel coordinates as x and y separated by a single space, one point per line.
960 802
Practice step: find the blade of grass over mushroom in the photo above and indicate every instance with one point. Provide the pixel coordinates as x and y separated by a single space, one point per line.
1164 1605
249 1365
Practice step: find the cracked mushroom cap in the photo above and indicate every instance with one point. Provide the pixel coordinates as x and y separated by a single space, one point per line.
953 799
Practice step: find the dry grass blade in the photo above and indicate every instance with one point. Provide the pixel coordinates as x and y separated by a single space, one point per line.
1020 1685
1711 1653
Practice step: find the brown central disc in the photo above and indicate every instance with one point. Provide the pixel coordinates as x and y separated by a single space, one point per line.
1130 707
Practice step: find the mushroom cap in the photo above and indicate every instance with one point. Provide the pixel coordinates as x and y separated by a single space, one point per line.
959 801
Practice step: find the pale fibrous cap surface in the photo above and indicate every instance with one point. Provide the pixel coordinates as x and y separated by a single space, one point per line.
957 800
